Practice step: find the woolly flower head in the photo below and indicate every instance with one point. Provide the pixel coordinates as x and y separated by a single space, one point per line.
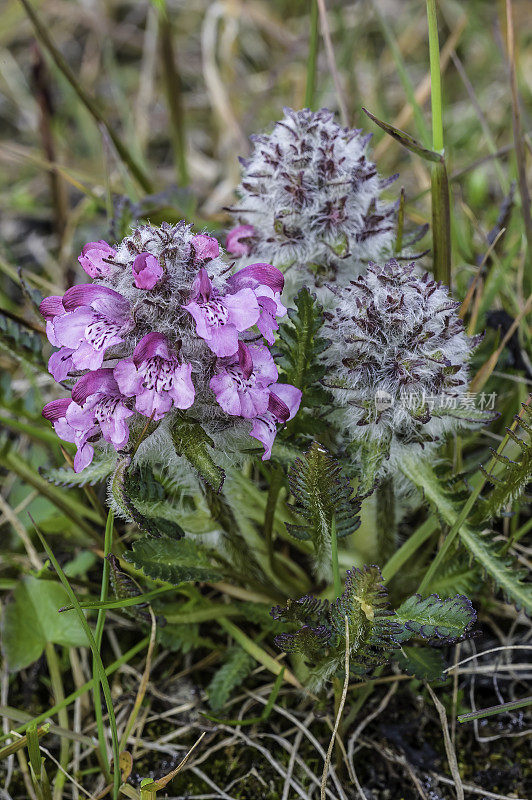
160 331
310 201
398 360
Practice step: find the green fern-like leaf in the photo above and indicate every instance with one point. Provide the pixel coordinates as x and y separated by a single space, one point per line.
322 492
456 576
172 561
183 638
365 604
236 668
434 618
485 553
375 632
96 472
301 345
510 483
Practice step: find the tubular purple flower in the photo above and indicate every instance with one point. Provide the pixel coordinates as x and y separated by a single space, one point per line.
267 283
205 247
56 412
242 383
96 318
50 308
155 377
283 405
234 243
99 403
94 257
147 271
220 318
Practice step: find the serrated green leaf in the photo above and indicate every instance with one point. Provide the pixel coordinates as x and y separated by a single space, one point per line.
434 618
32 620
21 343
97 471
486 554
300 346
456 577
370 456
191 442
172 561
510 482
183 638
423 663
230 675
322 492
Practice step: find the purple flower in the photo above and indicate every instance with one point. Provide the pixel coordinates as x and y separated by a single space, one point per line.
56 412
219 318
93 258
242 382
267 283
94 319
205 247
146 271
233 243
155 377
50 308
60 362
283 404
98 403
96 409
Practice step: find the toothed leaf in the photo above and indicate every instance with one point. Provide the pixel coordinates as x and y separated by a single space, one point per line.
191 442
172 561
434 618
237 667
96 472
322 492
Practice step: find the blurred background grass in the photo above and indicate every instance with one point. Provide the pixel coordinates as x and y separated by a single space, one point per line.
225 70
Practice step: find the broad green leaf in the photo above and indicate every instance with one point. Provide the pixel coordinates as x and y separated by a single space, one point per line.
172 561
434 618
32 619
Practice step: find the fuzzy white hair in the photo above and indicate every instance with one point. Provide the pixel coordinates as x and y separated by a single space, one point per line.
397 364
313 198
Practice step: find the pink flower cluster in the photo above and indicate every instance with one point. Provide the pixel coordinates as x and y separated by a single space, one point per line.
132 369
